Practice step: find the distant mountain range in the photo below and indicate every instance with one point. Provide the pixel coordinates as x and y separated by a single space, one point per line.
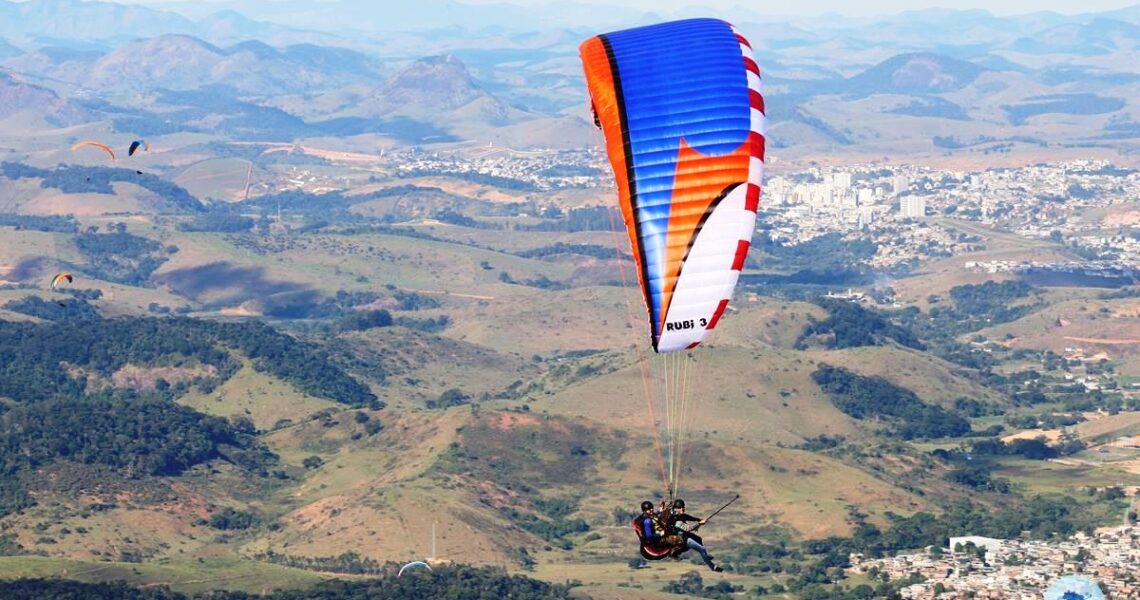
183 62
19 96
67 22
875 83
436 86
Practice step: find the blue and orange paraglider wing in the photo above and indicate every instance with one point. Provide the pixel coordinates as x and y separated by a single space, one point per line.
681 109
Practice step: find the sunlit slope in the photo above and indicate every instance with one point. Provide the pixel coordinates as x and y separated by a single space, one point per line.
215 268
417 367
761 397
934 380
266 400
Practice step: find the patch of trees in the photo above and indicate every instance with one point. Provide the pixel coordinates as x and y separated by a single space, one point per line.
1044 421
412 301
218 222
308 304
74 179
849 325
863 397
449 398
589 218
541 282
529 457
592 250
42 362
147 437
330 207
991 299
975 307
139 436
305 365
232 519
972 408
120 257
66 589
547 527
348 562
51 310
979 476
822 254
453 582
453 217
1032 448
691 584
364 320
48 223
1037 448
426 325
32 356
822 442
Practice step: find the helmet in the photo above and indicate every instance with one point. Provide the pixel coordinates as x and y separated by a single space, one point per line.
678 503
647 505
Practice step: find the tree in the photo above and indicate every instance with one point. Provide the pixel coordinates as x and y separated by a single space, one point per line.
449 398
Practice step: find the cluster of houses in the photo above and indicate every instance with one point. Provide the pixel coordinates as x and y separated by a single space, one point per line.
980 567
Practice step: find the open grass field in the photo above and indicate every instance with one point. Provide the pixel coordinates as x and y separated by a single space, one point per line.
1055 477
263 398
222 179
188 576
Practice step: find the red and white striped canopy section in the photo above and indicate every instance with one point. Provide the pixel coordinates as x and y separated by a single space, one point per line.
681 108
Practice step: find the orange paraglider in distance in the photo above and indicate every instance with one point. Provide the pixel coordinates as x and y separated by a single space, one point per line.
94 144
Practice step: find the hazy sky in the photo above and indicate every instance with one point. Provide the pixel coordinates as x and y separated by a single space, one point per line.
861 8
798 7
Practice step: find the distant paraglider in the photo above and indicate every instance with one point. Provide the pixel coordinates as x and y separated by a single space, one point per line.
418 563
59 279
135 145
94 144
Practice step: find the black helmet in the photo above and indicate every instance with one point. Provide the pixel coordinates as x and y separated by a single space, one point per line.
678 503
647 505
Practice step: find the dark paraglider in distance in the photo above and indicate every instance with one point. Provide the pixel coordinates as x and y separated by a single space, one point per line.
135 146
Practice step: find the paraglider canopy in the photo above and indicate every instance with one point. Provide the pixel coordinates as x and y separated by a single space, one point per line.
135 146
418 563
94 144
682 113
59 279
